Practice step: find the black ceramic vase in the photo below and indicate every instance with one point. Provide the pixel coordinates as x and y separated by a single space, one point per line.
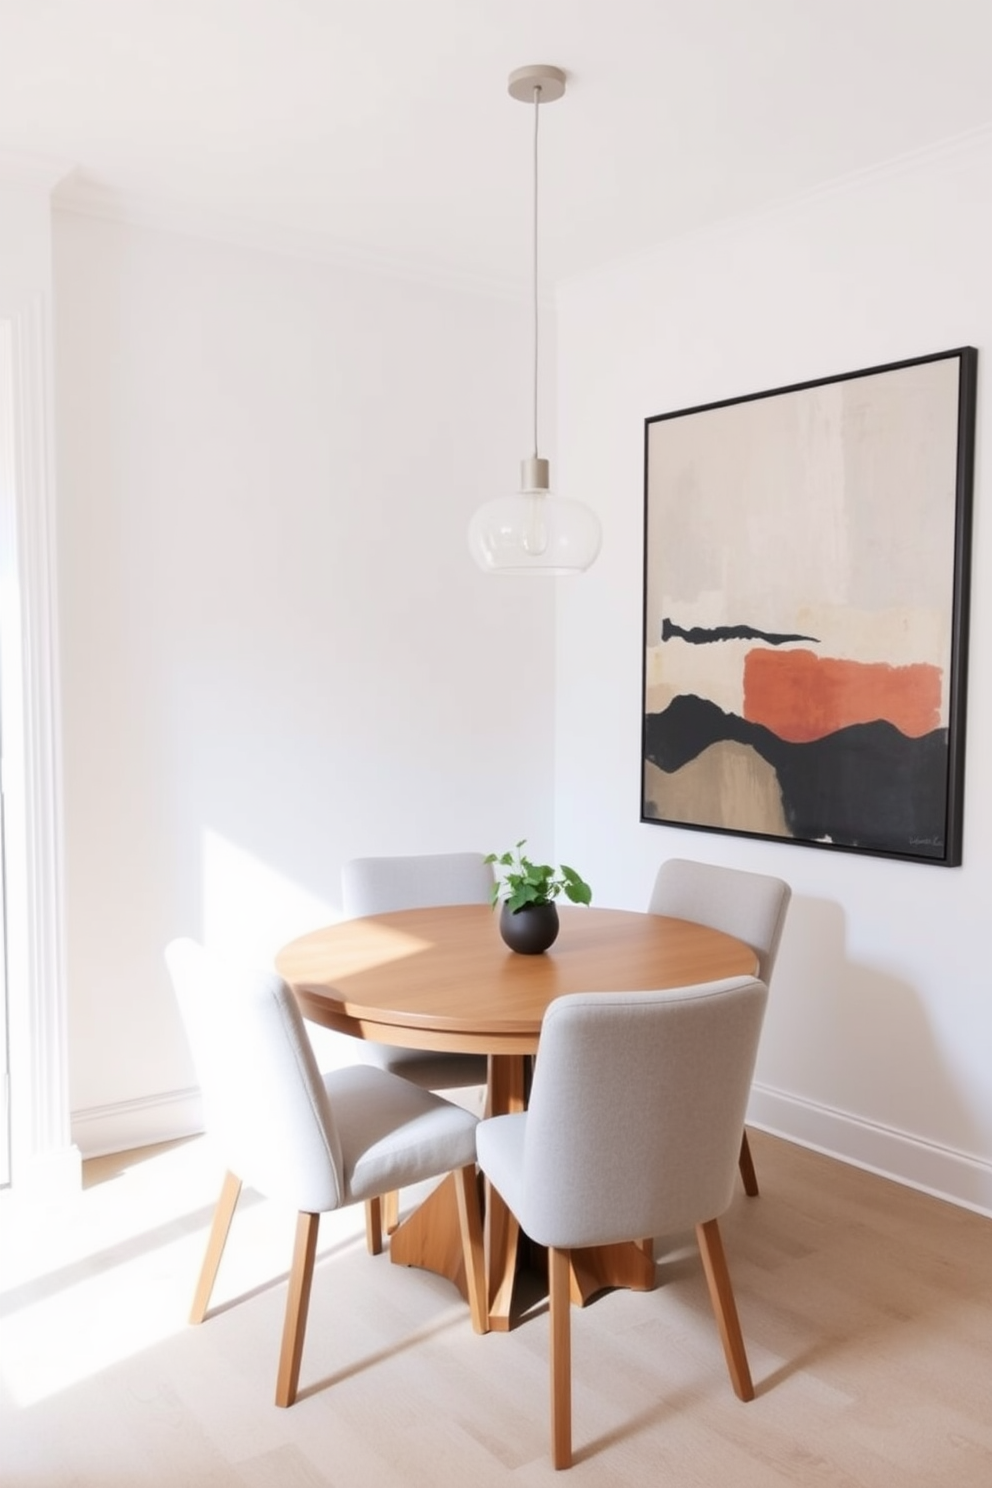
530 930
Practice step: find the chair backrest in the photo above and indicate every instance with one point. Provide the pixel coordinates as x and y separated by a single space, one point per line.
636 1111
265 1104
379 885
749 906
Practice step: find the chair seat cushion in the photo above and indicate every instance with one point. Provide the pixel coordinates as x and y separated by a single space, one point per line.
432 1071
393 1133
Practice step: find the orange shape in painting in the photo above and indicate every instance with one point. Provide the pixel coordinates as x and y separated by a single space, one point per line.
800 696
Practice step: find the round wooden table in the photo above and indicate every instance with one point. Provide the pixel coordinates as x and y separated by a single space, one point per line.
443 979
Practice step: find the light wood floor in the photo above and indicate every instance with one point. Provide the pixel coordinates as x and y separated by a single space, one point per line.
866 1307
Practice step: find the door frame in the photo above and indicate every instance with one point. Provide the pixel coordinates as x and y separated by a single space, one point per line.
42 1154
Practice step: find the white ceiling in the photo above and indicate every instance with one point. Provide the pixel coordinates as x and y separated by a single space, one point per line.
383 128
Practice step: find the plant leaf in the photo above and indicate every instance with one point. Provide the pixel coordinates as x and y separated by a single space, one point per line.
576 888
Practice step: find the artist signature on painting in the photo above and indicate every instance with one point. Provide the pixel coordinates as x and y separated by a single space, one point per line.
926 841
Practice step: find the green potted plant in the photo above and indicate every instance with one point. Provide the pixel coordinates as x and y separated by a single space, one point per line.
527 892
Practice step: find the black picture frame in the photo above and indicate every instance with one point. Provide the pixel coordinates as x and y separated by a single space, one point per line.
807 557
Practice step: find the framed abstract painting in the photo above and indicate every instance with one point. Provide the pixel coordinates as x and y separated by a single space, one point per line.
806 571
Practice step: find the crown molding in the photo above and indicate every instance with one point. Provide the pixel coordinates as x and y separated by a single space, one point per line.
957 146
33 172
85 198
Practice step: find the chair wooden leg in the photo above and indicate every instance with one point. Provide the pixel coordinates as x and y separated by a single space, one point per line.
220 1225
470 1225
382 1217
724 1307
746 1163
502 1236
559 1271
505 1096
373 1226
297 1304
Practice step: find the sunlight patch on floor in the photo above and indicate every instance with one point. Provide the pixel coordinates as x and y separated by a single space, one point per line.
94 1279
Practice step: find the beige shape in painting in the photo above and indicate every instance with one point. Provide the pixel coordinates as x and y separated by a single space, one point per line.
728 786
715 672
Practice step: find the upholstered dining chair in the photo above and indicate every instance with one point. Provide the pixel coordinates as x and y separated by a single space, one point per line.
633 1129
379 885
315 1142
749 906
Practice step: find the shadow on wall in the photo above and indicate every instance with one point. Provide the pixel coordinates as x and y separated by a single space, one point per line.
855 1038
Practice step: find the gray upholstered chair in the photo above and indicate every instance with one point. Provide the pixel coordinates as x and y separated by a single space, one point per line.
371 886
314 1142
749 906
633 1129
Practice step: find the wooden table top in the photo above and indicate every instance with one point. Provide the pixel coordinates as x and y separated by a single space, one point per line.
443 978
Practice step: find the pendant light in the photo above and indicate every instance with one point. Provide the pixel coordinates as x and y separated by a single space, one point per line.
534 532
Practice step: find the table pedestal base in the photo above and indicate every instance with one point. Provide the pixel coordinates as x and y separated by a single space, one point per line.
429 1238
630 1265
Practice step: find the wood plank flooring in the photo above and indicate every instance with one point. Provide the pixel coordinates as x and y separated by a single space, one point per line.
866 1310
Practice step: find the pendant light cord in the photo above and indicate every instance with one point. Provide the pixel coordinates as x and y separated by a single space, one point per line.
537 112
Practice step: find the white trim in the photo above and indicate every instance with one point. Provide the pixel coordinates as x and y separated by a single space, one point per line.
33 172
125 1125
942 1171
41 1148
954 147
82 198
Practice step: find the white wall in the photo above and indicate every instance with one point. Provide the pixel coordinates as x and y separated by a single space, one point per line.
276 650
257 685
879 1035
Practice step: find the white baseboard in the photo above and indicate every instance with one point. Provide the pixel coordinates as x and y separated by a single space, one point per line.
98 1130
941 1171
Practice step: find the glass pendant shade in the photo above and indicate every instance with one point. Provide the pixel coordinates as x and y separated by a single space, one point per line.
534 532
